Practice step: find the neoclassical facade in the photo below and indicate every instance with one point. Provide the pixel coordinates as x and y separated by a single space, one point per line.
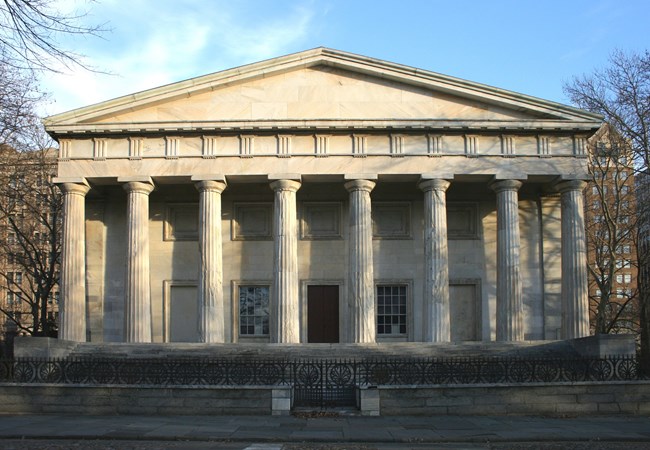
323 197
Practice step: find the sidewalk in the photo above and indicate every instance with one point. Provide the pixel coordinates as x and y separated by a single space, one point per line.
349 429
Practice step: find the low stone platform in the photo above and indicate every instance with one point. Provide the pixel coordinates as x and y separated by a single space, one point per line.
592 346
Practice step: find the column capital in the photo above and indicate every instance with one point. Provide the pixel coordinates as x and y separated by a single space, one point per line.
73 187
211 177
360 185
505 185
142 187
285 185
570 185
217 186
437 184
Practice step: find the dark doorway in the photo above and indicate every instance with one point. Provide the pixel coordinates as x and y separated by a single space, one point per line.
323 313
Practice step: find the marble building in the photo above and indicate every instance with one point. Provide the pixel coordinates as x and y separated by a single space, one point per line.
323 197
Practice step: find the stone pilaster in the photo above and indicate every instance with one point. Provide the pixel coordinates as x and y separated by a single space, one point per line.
436 261
575 300
210 293
361 295
509 300
284 323
73 262
137 305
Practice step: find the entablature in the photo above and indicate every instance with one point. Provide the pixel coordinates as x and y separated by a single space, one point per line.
355 143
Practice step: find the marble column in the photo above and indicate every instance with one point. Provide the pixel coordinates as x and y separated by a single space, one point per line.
137 307
509 300
284 323
210 290
73 262
575 300
361 289
436 261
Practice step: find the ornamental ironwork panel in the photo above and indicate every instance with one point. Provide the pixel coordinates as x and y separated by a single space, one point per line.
322 378
324 383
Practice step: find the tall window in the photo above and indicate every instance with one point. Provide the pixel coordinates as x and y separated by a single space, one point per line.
391 309
253 310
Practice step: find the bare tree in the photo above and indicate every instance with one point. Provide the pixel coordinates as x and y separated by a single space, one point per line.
612 235
19 97
30 221
621 93
30 34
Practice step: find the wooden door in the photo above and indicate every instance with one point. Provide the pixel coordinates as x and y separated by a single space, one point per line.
323 313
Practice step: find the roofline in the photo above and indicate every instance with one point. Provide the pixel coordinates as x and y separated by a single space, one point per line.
320 55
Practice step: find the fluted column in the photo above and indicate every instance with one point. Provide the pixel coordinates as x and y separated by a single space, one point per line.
137 312
509 300
436 261
575 300
73 263
210 292
284 323
361 296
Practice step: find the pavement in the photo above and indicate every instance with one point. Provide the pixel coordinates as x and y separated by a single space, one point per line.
322 431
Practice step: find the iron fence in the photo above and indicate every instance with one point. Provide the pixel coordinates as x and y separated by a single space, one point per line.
315 374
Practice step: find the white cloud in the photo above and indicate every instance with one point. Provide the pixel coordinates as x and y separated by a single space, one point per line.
159 43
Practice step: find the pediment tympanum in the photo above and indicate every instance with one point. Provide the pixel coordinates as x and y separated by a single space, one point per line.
314 88
318 93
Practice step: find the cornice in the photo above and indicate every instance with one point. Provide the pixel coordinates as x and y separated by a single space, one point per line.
301 126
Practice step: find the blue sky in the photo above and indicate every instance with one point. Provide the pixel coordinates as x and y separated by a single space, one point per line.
525 46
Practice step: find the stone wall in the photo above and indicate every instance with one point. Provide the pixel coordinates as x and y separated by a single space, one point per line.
63 399
555 400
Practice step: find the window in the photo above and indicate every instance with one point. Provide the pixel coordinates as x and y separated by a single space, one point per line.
625 189
627 278
626 249
623 264
391 309
10 298
57 297
598 293
594 190
623 175
18 277
253 310
619 278
11 238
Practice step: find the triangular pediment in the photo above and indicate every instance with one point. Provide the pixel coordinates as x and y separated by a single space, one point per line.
317 86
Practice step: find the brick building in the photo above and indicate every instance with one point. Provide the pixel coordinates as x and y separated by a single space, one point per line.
29 241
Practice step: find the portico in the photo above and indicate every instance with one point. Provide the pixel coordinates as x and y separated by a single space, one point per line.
434 209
